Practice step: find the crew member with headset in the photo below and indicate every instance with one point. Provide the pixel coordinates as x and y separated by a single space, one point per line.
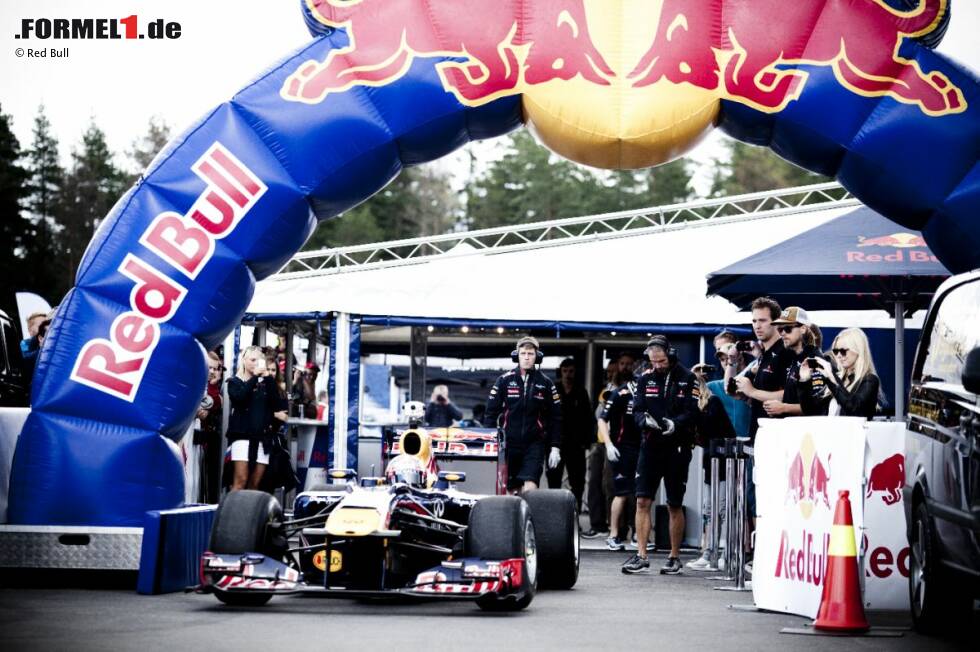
665 407
525 404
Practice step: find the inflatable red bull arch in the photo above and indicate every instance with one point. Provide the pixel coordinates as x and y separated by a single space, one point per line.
848 88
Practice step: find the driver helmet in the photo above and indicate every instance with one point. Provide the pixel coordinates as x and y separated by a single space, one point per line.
407 469
413 411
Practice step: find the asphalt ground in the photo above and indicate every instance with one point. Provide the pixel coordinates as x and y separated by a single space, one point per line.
606 610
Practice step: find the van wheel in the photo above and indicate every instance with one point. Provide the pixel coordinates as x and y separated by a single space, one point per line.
935 601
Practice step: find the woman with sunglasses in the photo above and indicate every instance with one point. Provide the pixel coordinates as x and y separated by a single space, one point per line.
854 387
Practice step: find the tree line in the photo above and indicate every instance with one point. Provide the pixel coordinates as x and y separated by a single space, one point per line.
50 212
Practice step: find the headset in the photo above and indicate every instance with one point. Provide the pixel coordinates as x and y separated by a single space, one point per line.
538 356
662 342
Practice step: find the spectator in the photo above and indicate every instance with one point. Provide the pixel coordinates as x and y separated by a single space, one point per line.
253 398
476 421
303 393
440 412
621 437
665 409
737 410
577 431
764 381
322 409
29 346
854 391
713 424
793 326
210 434
531 410
817 336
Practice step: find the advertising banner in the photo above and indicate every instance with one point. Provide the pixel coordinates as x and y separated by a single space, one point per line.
801 465
885 544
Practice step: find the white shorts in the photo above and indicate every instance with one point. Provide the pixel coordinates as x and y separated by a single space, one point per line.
239 452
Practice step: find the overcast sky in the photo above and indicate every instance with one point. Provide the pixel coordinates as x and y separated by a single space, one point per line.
223 45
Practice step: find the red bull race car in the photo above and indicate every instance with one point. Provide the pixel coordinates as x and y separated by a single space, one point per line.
410 533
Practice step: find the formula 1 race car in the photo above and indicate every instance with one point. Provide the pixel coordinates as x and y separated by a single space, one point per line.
410 533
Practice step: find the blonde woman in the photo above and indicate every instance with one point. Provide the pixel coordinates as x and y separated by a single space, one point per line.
440 412
854 386
252 393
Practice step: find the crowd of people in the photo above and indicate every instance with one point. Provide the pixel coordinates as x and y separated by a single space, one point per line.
652 413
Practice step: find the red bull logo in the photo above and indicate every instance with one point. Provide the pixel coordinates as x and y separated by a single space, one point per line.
745 50
659 69
898 240
887 477
808 479
500 55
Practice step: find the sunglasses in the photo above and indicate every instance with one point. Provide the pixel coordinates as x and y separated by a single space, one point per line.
787 329
840 352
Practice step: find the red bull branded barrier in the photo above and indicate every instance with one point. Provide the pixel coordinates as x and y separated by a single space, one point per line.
849 88
801 466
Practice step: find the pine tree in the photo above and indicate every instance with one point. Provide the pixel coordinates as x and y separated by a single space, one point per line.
91 188
145 148
751 168
44 187
14 275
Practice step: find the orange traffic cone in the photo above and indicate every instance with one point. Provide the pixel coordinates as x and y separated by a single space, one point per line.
841 607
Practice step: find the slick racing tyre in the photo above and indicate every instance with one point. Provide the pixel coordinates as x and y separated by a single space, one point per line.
556 528
246 522
500 527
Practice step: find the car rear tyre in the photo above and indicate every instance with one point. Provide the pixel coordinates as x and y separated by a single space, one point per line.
937 604
556 529
500 527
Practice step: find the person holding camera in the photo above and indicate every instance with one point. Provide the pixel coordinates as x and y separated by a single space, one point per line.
852 390
440 412
524 403
793 327
727 354
665 408
303 391
253 396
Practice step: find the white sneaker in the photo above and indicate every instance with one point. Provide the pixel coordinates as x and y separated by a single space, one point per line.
701 564
721 563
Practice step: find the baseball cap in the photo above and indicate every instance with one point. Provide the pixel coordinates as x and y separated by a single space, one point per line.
312 365
793 315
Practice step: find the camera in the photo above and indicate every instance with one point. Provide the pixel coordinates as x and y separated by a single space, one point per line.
744 346
812 363
732 387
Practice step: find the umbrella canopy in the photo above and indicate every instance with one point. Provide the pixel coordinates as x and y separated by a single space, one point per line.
857 261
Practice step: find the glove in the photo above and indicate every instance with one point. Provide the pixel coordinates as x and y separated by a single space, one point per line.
668 427
554 457
611 453
651 422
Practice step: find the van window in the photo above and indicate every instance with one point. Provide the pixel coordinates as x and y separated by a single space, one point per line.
955 332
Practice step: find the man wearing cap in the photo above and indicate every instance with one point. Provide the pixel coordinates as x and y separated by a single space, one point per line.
793 326
665 408
525 404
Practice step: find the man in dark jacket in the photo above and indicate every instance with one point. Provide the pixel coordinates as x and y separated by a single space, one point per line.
577 431
525 405
665 407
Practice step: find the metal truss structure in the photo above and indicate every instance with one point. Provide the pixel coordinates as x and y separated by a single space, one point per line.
567 231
